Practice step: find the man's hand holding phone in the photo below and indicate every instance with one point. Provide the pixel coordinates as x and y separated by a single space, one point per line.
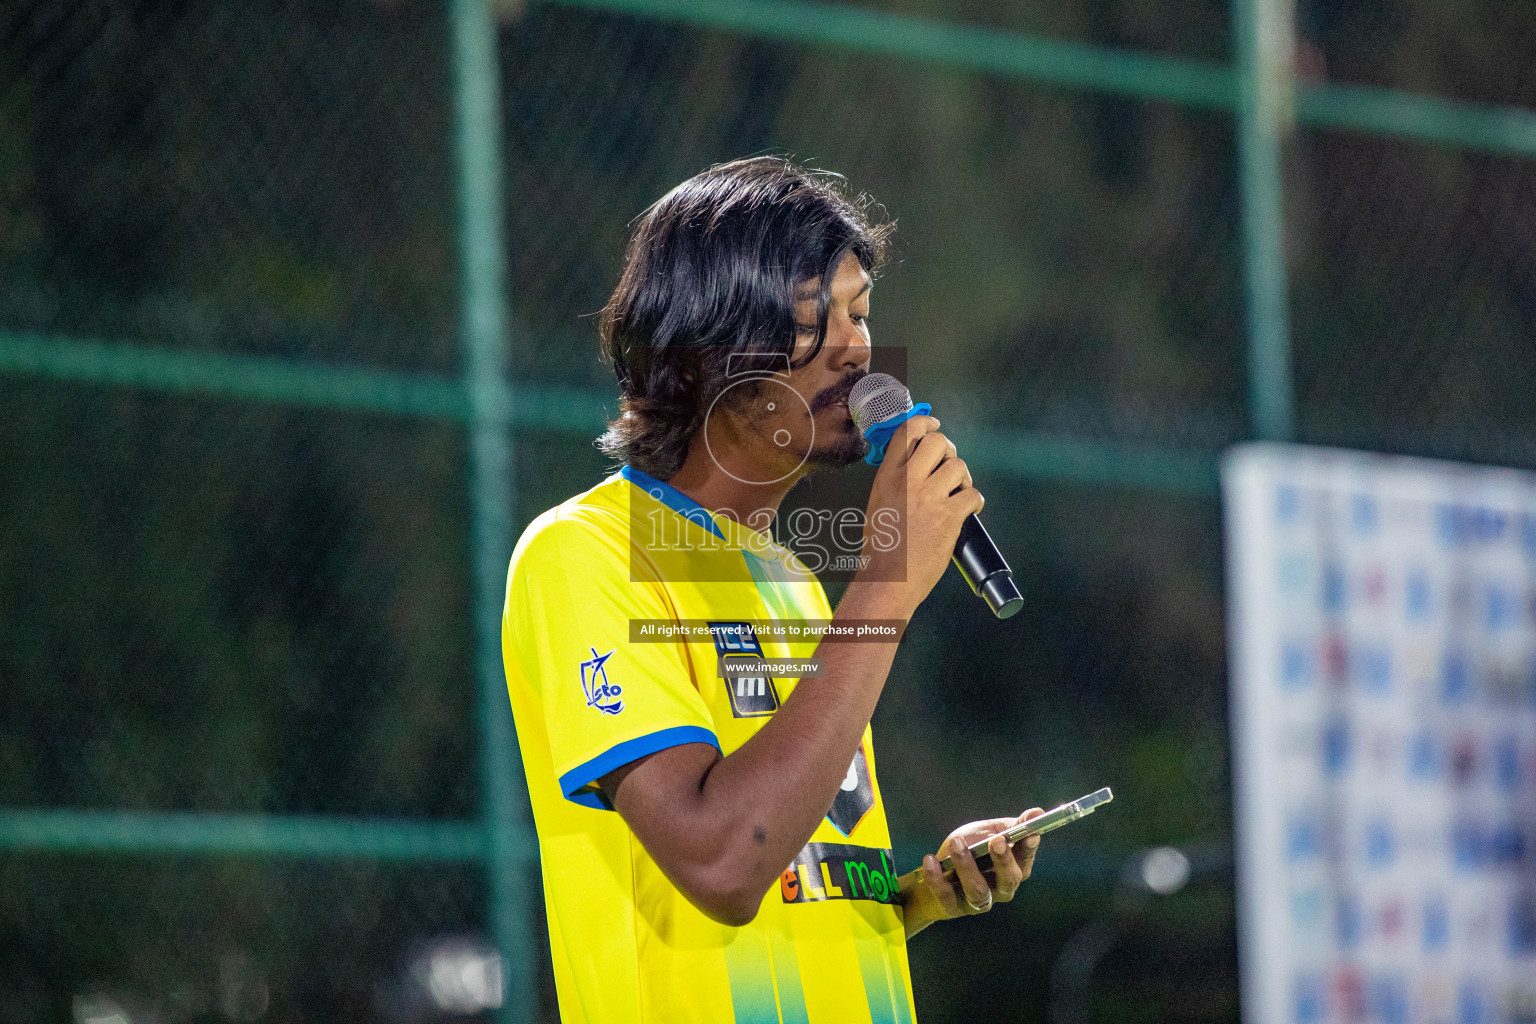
983 863
929 894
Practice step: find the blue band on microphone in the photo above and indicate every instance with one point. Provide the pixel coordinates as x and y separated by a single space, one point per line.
879 434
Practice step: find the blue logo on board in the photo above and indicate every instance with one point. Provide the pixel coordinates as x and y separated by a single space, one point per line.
1303 839
1380 843
1311 999
1473 1006
1373 666
1287 504
601 694
1437 924
1522 925
1506 759
1460 525
1336 744
1424 756
1346 920
1503 608
1363 514
1386 999
1455 679
1419 597
1334 589
1295 664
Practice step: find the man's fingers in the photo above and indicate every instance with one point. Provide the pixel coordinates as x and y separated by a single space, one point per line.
952 477
932 449
1024 853
978 830
978 894
972 891
1024 849
939 885
1033 812
1008 871
904 442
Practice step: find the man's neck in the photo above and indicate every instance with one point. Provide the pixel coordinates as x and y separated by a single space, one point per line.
729 491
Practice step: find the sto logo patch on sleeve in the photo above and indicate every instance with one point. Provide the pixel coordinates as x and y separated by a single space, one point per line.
601 694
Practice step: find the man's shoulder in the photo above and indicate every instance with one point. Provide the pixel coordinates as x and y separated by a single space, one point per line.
594 522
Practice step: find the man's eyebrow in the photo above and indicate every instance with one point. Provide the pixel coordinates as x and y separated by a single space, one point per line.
811 293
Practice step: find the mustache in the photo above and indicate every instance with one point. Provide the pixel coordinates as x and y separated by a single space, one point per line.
839 392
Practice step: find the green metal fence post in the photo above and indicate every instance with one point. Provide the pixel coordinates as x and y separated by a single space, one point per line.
483 320
1265 43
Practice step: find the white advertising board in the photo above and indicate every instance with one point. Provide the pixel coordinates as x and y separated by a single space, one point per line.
1382 629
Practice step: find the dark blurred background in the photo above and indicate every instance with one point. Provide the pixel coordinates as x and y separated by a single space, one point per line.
223 591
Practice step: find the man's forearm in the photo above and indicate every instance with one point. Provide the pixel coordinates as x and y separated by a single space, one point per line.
724 828
775 789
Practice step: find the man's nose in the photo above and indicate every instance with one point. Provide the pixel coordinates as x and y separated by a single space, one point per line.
852 349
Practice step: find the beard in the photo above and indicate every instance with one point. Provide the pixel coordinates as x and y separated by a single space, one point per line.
847 444
835 453
761 416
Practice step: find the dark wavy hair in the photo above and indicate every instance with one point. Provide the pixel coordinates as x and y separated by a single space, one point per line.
708 291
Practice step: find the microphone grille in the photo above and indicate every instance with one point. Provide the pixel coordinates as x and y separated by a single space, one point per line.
877 397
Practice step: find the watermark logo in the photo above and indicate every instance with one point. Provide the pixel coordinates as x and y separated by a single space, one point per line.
601 694
772 422
764 377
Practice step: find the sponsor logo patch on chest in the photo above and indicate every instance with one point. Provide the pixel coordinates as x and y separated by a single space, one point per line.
837 871
854 797
751 696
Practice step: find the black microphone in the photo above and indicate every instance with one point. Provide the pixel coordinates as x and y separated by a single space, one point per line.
876 400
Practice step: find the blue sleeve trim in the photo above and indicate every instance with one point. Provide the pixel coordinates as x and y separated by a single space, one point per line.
596 801
623 753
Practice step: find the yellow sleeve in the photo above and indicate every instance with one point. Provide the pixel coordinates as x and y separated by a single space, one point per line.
606 701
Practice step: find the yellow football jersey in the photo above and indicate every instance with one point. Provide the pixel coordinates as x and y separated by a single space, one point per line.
593 689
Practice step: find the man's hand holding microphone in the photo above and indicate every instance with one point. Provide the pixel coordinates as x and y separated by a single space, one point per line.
923 495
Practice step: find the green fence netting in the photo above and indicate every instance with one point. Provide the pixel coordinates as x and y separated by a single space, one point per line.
1414 315
1013 207
265 178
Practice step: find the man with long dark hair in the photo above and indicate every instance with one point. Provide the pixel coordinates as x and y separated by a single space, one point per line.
715 847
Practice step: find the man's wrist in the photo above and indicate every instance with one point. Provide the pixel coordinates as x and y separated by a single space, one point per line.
918 910
878 599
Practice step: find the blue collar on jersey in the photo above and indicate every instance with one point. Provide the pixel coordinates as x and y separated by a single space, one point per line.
673 498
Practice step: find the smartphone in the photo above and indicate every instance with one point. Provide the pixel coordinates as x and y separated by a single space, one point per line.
1038 825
